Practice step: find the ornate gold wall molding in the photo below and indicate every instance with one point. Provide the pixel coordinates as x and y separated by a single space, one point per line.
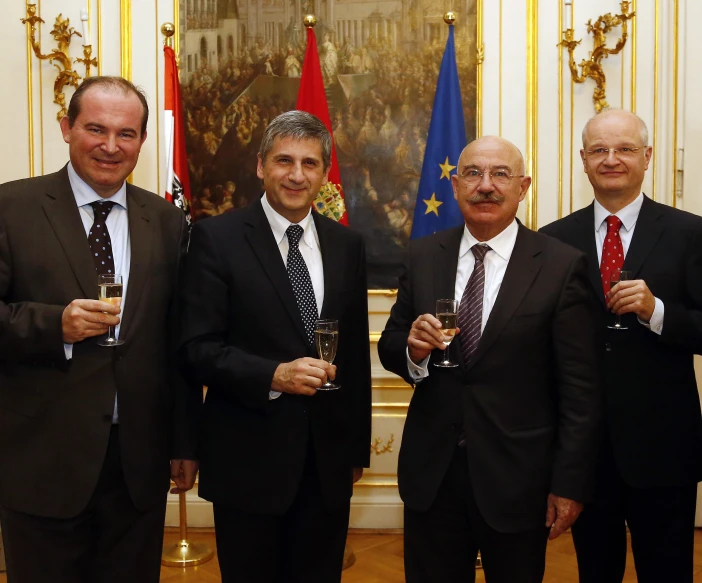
480 57
125 19
532 111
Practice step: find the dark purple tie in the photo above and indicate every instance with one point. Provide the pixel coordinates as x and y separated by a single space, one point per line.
99 238
470 310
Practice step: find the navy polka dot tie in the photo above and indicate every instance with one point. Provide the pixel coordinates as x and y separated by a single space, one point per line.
99 238
301 282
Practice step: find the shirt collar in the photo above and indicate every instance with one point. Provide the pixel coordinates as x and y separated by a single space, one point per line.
627 215
85 195
502 243
279 224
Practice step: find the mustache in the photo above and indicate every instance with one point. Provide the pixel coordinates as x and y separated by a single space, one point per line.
490 197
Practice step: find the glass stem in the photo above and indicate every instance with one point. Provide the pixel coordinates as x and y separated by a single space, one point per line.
446 355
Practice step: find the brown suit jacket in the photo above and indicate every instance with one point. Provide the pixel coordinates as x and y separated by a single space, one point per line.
56 415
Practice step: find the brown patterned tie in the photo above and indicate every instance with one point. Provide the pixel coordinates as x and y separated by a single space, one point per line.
470 310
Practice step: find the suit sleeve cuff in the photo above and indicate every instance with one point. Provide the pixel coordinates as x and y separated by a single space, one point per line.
273 395
418 372
656 323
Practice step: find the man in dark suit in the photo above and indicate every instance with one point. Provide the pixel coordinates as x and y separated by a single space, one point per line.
279 456
650 458
87 431
503 442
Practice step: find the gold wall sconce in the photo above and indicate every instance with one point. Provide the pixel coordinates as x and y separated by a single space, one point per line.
592 67
62 33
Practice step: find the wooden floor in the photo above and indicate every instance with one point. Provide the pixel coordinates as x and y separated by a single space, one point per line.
379 560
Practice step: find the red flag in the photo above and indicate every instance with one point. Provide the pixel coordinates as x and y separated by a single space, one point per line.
312 99
177 178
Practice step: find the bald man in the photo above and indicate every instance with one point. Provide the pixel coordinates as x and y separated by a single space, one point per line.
498 451
650 458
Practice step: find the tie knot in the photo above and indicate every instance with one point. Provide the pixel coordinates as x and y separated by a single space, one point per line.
614 223
479 251
294 233
102 208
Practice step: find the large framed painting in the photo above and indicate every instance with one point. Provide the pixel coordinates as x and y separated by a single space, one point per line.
240 67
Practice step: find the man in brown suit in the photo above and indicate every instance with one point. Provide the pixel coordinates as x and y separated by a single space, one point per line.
87 431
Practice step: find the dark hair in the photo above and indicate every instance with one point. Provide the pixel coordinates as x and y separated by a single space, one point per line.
109 84
299 125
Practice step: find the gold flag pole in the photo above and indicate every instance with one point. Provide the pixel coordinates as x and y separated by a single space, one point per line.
185 553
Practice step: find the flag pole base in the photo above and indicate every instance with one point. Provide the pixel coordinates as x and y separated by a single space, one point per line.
186 554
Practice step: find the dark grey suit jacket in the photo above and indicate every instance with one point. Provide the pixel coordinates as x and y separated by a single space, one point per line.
528 400
56 415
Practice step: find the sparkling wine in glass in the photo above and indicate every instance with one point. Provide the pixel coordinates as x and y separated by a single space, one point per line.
614 278
110 291
447 314
326 337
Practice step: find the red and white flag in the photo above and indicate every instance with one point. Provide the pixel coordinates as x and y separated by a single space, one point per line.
312 99
177 179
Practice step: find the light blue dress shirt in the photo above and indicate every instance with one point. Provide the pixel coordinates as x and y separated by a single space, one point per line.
118 226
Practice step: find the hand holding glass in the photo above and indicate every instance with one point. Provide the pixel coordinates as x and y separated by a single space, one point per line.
447 314
110 291
326 337
614 278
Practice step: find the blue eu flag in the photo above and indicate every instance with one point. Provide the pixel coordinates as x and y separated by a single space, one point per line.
436 209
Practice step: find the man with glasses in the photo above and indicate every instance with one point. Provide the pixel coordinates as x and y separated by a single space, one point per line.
499 451
650 457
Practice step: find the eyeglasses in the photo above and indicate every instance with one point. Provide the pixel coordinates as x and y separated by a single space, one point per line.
621 153
498 177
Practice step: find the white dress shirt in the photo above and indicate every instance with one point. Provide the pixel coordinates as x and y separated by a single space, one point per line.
495 262
628 216
117 225
309 249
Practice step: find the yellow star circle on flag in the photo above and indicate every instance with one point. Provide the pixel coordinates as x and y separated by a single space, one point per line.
446 169
433 204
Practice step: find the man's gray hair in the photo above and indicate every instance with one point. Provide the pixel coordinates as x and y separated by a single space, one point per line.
610 110
298 125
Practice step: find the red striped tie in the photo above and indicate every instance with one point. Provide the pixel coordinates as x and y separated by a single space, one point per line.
470 311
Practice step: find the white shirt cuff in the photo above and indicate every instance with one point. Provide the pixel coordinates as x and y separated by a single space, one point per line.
272 395
419 371
68 351
656 322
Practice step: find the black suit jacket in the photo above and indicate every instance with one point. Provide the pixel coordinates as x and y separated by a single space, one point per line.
528 401
240 322
652 403
56 415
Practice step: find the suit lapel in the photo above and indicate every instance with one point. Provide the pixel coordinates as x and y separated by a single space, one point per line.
330 264
446 264
647 232
584 237
263 244
522 268
140 241
63 215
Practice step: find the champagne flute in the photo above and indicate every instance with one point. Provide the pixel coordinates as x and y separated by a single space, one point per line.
326 337
614 278
447 314
110 291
